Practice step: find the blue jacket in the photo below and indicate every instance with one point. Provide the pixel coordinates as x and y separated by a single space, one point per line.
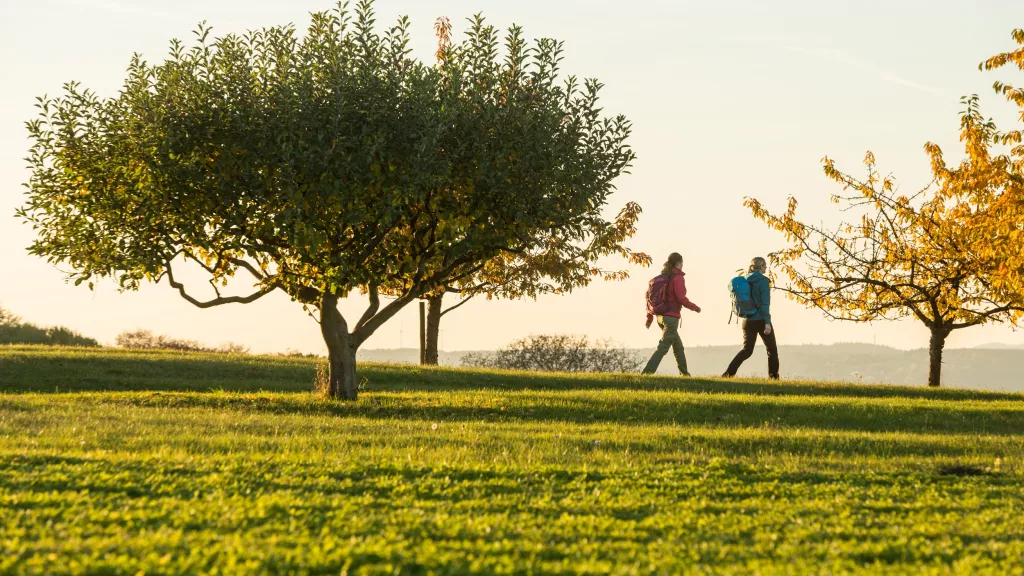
760 291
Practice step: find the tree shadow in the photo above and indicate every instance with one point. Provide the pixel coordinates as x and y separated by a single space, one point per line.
383 377
48 370
709 411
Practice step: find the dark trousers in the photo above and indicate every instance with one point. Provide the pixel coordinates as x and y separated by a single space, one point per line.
751 330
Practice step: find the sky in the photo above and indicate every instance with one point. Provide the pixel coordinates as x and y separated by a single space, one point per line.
727 99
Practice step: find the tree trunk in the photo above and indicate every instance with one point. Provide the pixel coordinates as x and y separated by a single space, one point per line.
341 351
938 342
342 374
430 356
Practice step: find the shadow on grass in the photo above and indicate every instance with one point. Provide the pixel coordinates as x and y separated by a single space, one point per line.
385 377
30 369
717 411
42 369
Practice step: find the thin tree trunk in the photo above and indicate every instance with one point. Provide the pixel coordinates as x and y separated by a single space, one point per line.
937 343
341 351
430 356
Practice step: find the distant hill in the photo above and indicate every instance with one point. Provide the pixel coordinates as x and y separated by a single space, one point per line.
971 368
1000 346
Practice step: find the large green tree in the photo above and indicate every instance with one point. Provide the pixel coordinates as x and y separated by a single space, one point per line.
320 165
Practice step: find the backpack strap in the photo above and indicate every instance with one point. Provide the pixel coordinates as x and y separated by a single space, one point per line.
753 293
668 285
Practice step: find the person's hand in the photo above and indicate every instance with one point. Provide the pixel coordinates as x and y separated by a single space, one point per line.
649 321
767 329
697 310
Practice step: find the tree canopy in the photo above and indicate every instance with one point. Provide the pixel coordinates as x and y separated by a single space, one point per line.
934 255
1007 231
322 165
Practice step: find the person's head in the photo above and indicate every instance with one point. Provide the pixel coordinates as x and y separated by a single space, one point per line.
675 260
759 264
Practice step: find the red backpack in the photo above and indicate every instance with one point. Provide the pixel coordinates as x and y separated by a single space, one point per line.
657 295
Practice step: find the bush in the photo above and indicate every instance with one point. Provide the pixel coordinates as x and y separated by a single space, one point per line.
14 331
557 353
289 353
146 340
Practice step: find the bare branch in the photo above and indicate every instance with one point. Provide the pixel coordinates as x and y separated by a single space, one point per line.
220 299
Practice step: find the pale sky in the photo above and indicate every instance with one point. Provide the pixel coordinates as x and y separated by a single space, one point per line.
728 99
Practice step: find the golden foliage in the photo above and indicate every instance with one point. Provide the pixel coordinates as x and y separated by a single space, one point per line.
949 255
443 32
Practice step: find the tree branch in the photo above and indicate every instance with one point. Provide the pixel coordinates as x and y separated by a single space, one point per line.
464 300
372 308
248 266
368 327
983 316
220 299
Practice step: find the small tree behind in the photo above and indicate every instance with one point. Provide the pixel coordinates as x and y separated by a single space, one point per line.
931 256
557 265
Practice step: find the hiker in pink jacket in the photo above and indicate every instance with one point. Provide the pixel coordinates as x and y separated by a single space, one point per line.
668 312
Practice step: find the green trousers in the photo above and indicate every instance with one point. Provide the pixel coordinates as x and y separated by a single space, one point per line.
669 339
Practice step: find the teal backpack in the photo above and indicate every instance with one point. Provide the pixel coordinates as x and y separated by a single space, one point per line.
742 299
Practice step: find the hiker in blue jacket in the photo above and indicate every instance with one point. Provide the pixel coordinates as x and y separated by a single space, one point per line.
759 323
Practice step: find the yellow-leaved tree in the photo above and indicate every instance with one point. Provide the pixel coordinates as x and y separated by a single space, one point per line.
1008 227
938 255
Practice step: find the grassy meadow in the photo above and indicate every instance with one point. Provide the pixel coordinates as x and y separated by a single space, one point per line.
115 462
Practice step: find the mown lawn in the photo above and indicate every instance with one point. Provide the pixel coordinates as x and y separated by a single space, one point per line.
123 463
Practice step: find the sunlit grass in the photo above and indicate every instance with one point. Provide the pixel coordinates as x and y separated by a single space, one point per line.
171 463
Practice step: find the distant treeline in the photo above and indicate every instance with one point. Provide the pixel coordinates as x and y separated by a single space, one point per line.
13 330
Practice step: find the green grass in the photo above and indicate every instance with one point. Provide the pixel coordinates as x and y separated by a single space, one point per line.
155 462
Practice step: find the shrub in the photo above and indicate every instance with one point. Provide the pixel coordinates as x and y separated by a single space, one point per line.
557 353
289 353
14 331
146 340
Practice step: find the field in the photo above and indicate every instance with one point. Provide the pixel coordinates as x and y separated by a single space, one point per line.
114 462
